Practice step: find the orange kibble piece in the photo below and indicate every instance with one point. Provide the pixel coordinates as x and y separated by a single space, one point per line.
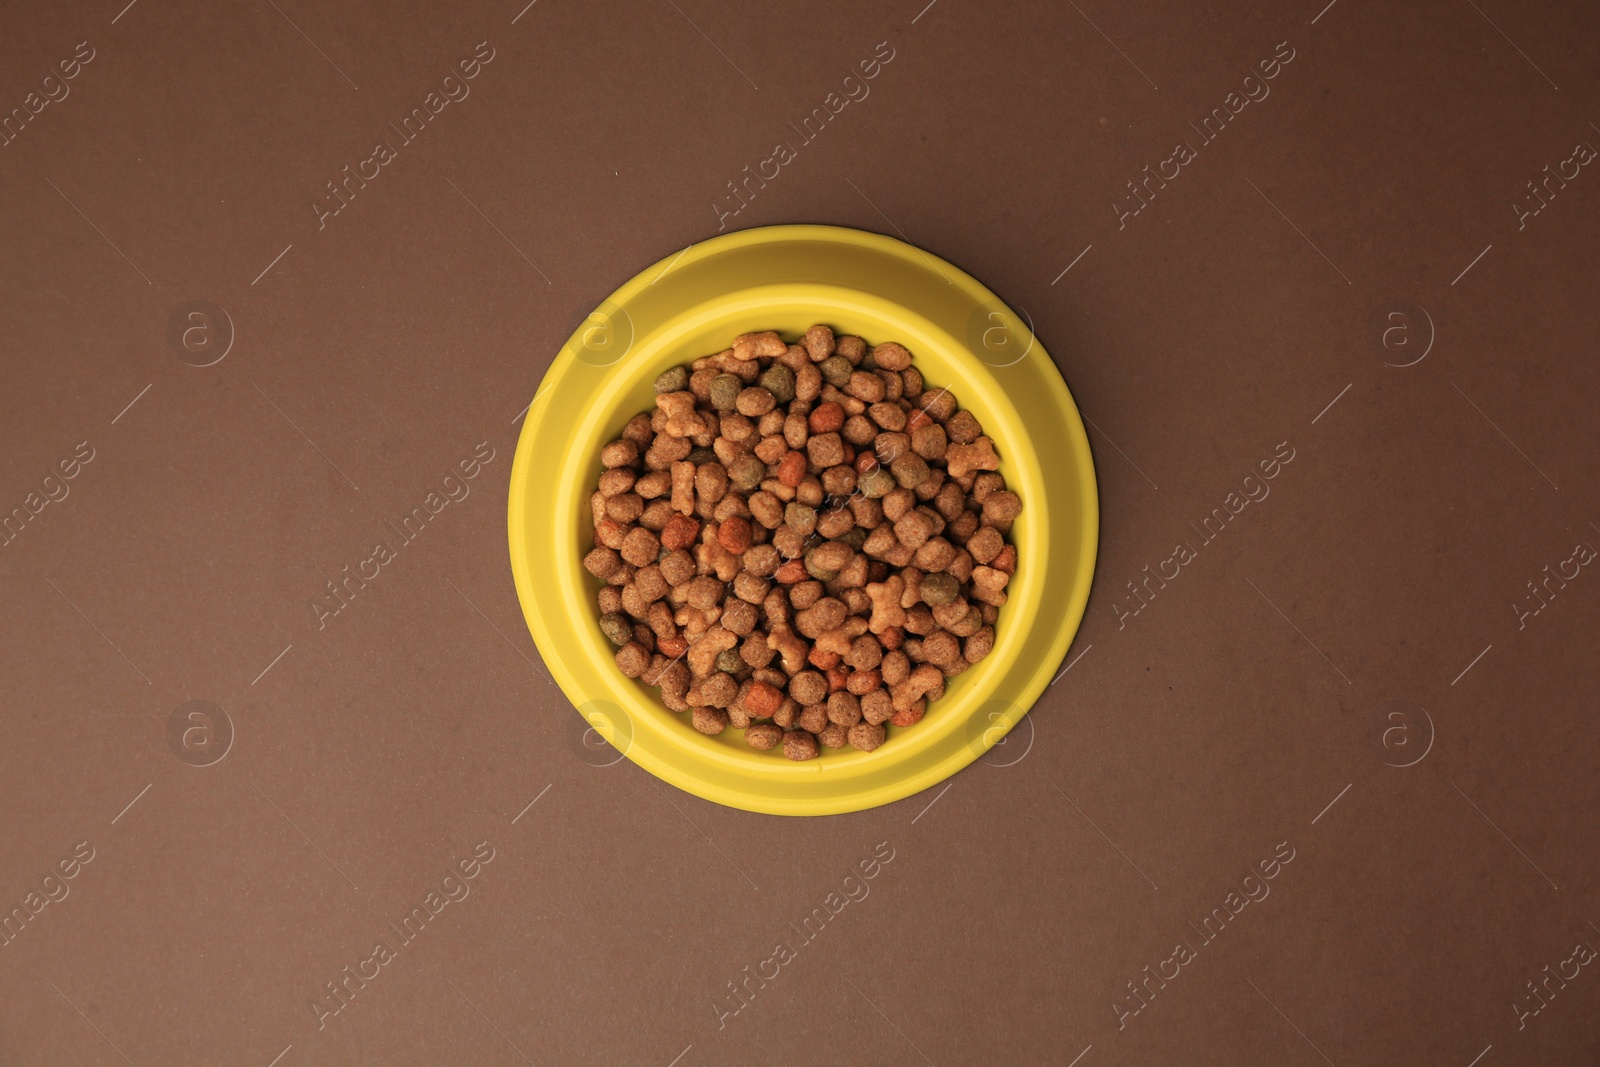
679 532
734 534
792 468
791 572
910 716
823 660
826 417
762 700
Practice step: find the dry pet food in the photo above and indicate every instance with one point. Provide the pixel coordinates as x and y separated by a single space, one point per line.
802 541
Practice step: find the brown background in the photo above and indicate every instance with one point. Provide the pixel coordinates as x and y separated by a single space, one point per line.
1191 739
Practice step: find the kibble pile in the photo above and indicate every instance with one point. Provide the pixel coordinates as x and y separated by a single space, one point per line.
803 541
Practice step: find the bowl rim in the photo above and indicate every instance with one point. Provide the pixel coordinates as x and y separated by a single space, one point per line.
630 715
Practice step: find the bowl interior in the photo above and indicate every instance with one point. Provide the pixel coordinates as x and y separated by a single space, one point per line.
945 362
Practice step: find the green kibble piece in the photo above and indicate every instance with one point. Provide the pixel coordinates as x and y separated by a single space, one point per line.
801 518
699 456
940 589
674 380
821 574
725 389
876 483
779 381
855 537
836 371
909 469
616 627
746 471
730 661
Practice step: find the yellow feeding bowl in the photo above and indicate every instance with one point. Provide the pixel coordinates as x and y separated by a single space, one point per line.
786 278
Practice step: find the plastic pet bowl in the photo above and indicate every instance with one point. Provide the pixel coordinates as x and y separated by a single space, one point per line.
786 278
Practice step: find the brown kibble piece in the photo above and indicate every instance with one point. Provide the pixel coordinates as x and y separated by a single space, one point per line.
978 645
818 342
865 387
865 653
808 687
610 533
826 614
814 718
703 653
863 682
891 417
717 691
920 681
618 480
895 668
986 544
749 346
799 745
941 648
929 441
989 585
632 659
602 562
1000 508
866 736
680 419
963 428
755 401
710 721
877 707
912 529
910 470
640 547
939 405
683 475
711 481
844 708
824 450
761 560
677 567
763 736
650 583
624 507
961 460
886 608
622 453
859 430
891 356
